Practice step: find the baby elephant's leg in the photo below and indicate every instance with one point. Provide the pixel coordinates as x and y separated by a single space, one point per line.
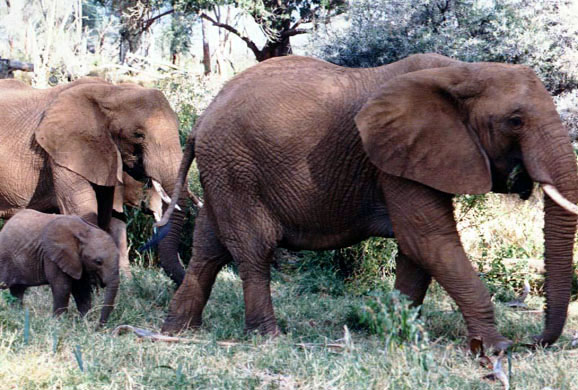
81 291
61 290
17 292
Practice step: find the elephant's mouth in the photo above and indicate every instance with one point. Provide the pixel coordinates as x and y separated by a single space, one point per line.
516 181
96 280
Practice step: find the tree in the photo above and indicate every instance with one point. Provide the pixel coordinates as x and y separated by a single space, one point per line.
278 19
539 34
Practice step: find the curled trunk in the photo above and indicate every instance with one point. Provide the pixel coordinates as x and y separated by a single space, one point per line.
169 245
174 219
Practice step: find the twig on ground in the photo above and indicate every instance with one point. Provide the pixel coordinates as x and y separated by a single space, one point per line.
153 336
498 372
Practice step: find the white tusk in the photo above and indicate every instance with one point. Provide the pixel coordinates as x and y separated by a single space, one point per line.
559 198
164 196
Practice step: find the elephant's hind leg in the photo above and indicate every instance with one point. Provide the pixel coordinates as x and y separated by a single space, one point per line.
209 256
17 292
411 279
252 239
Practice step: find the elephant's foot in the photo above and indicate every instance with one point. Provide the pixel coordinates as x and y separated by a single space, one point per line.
496 343
266 328
174 325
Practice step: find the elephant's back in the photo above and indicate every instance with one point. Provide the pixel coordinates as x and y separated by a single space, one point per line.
24 228
19 244
291 142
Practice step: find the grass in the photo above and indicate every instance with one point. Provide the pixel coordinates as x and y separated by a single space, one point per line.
57 349
316 307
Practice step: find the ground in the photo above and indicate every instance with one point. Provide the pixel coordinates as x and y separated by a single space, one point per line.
66 353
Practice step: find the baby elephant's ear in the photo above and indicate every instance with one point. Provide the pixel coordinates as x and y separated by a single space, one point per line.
60 244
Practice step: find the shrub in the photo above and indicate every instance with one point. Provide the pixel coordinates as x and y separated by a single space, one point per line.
538 34
390 316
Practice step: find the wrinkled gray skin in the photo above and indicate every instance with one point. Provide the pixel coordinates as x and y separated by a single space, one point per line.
302 154
65 149
63 251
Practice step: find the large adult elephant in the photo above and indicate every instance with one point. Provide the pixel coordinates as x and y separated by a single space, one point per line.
302 154
65 149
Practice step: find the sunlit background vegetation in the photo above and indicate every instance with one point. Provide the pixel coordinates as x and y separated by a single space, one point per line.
343 325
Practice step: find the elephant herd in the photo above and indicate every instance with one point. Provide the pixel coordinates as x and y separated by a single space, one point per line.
295 153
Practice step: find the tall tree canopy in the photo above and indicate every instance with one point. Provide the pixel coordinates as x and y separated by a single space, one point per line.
278 19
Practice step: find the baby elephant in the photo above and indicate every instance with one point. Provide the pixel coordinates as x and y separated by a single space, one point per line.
63 251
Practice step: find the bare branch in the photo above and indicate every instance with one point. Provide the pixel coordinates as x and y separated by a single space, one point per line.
148 23
250 44
295 31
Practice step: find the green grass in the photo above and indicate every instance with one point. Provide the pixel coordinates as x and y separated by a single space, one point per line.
308 315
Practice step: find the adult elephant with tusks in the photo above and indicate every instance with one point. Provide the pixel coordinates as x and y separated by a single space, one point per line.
66 148
302 154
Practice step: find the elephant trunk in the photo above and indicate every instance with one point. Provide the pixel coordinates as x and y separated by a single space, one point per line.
169 245
109 297
556 165
175 216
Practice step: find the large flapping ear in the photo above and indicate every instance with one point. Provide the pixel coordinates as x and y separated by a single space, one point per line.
415 128
74 133
61 245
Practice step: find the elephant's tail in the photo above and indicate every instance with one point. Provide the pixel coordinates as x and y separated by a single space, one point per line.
188 157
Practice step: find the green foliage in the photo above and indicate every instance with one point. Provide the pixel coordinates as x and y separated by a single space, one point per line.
538 34
368 264
390 316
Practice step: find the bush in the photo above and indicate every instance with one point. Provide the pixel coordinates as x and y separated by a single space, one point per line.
390 316
539 34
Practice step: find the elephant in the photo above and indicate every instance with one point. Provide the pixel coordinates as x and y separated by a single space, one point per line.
64 251
65 149
299 153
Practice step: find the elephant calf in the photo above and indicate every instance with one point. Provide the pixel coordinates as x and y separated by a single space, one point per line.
64 251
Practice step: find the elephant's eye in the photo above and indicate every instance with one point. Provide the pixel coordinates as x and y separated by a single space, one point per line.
515 122
139 135
98 261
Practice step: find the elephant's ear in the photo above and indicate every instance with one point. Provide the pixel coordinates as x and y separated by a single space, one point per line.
74 132
60 244
415 128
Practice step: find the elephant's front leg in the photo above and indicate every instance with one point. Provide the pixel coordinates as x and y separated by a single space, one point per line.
74 194
81 291
61 289
425 228
118 233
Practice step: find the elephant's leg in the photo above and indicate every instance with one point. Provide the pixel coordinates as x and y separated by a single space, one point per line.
18 291
74 194
118 233
209 256
60 295
256 276
411 279
425 228
252 239
82 294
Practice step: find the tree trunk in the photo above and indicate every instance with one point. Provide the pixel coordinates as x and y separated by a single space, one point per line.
206 48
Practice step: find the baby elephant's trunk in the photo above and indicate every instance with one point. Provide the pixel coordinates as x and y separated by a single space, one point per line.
109 297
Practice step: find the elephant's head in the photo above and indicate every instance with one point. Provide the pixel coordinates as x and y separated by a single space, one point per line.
78 247
473 128
97 130
134 194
